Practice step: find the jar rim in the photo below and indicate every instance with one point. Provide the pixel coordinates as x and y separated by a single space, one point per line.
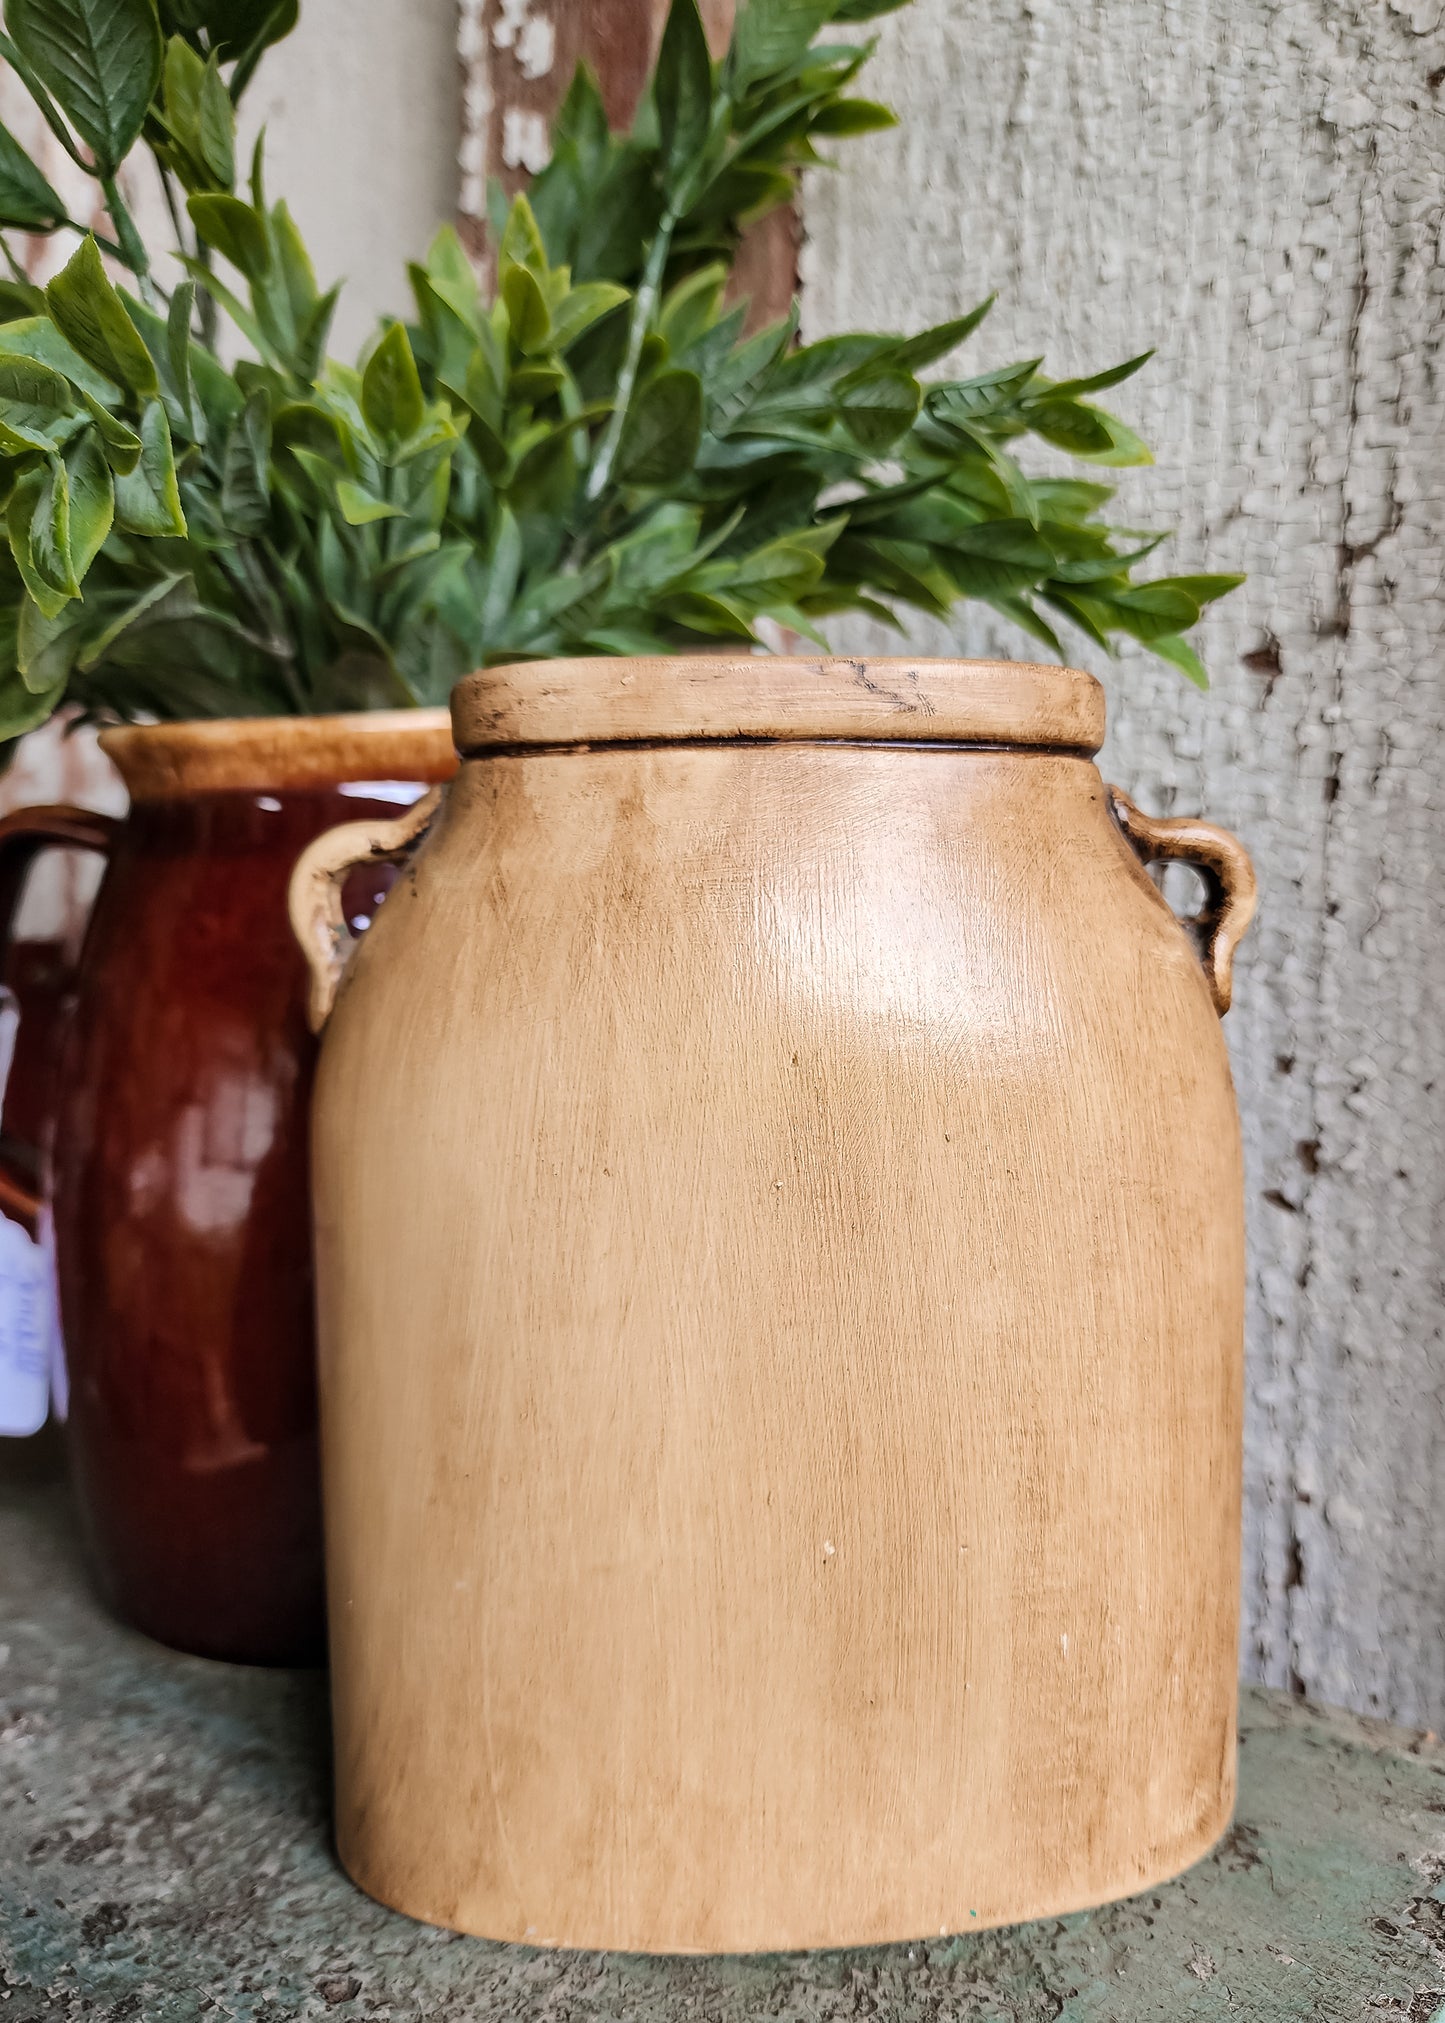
261 754
695 698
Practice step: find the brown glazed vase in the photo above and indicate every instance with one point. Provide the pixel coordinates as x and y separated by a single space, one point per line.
780 1264
179 1173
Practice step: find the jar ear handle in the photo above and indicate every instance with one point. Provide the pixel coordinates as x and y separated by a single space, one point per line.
1223 863
23 835
318 919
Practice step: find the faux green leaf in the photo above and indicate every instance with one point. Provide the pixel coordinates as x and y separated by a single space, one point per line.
770 35
527 310
664 424
20 513
521 243
26 199
50 552
583 307
1179 653
23 708
877 406
119 442
34 399
234 229
850 116
246 470
359 508
391 395
92 317
100 59
683 93
217 126
147 499
92 501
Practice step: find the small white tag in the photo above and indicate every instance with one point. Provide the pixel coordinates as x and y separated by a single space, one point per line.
29 1330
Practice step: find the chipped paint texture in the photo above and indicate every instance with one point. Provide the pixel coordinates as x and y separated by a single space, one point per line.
1257 190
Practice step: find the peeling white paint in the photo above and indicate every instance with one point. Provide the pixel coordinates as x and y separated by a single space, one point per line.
525 143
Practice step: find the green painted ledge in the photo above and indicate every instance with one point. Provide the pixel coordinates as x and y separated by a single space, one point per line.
164 1853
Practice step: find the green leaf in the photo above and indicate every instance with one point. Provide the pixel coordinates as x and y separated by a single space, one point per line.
848 116
770 36
663 429
50 552
864 10
147 499
682 88
121 444
100 59
527 310
20 709
963 401
876 406
582 307
246 468
359 508
1070 389
90 314
92 500
217 126
26 199
19 518
37 337
1070 425
1125 447
149 602
45 648
521 243
1203 589
1179 653
391 395
34 401
235 230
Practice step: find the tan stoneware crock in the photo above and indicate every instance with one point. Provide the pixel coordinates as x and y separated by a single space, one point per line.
779 1236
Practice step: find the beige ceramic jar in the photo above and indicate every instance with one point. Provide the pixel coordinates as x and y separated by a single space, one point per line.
779 1240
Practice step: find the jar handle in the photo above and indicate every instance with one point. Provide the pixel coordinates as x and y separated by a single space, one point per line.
318 919
23 835
1224 864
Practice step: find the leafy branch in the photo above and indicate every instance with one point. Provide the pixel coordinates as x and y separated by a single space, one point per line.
582 453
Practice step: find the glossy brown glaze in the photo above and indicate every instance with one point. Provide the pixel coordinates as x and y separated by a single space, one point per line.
180 1185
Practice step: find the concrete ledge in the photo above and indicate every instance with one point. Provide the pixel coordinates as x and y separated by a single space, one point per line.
165 1854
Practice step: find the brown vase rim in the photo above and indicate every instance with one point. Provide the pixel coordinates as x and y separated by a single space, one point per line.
278 754
707 696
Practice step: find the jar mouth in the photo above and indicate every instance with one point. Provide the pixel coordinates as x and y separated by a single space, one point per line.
713 698
279 754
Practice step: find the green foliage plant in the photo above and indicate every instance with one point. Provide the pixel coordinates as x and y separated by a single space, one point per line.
583 452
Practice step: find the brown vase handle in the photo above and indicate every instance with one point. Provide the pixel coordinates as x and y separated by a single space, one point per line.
1224 864
23 835
318 919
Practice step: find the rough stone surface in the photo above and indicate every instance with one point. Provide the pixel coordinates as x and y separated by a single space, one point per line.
165 1855
1257 190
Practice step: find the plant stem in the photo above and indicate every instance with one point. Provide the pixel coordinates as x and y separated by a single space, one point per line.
205 300
132 246
168 191
643 304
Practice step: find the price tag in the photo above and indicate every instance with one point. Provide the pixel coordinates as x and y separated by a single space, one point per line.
29 1330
